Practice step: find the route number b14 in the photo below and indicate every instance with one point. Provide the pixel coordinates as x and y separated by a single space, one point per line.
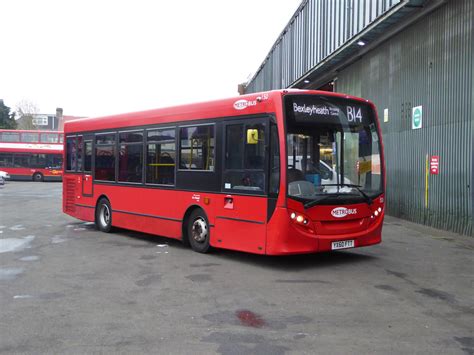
354 114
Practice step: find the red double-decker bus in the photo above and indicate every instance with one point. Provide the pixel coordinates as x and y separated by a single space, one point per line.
32 155
280 172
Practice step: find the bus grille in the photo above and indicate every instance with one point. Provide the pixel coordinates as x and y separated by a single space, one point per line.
70 195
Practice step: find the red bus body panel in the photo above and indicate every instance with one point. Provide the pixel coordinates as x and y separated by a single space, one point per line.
245 224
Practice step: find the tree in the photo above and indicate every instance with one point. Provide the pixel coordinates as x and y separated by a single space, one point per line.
7 118
26 111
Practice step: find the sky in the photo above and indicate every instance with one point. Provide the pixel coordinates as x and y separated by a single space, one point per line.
100 57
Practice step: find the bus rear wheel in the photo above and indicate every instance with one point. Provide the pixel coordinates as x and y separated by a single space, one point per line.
103 216
38 177
198 231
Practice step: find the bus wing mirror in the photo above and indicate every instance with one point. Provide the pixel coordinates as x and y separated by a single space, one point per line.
252 136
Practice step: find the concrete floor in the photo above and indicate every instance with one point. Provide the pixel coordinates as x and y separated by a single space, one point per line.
67 288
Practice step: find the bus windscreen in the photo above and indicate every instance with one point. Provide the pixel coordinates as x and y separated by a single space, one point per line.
333 148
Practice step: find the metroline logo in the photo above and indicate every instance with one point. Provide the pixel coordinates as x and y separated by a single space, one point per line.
340 212
243 104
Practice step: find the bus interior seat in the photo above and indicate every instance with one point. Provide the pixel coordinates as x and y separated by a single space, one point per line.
301 188
295 175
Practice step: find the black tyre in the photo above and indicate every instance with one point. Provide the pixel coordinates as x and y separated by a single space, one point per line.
198 231
38 177
103 216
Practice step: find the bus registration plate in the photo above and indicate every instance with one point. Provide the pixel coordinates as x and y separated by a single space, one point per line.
342 244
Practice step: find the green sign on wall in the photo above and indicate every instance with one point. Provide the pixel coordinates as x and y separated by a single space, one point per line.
417 117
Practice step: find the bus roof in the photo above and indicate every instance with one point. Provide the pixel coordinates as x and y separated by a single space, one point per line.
29 131
263 102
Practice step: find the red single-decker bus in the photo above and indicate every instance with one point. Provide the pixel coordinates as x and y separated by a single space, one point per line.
276 173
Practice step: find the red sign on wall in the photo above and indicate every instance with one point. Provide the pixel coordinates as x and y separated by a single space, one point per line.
434 165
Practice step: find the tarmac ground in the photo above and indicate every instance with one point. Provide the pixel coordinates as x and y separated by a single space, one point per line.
67 288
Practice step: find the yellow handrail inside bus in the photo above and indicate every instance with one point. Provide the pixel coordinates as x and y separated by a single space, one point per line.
161 164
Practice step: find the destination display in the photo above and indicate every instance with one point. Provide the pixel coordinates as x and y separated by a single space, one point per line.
311 109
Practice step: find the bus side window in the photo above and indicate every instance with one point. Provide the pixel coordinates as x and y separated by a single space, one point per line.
196 150
161 156
79 152
131 157
274 160
105 157
71 152
244 160
87 156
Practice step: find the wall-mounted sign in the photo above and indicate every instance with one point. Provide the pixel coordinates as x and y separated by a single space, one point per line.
40 121
434 165
417 117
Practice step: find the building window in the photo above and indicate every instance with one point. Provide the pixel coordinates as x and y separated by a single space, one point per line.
105 157
161 156
197 148
131 157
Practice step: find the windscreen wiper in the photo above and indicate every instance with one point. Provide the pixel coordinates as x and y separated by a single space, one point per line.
367 198
315 202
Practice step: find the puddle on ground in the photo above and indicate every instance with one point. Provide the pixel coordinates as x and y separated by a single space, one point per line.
8 274
29 258
20 297
57 239
200 277
15 244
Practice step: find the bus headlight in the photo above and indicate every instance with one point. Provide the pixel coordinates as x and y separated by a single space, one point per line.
301 220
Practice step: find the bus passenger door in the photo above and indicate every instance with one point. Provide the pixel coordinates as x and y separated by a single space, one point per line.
242 213
87 161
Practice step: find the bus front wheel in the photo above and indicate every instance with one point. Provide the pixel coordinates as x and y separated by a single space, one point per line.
103 216
198 231
38 177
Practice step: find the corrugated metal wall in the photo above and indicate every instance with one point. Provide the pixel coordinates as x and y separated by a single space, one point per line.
318 29
431 63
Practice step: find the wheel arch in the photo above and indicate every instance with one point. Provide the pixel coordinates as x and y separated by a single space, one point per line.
184 224
35 173
101 197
